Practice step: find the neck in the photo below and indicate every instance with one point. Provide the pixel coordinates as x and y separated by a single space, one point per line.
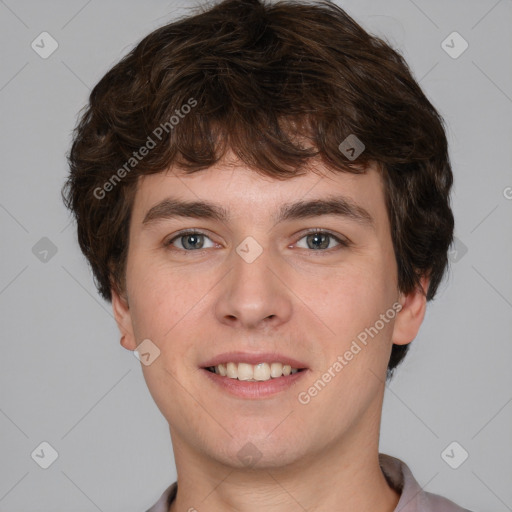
344 476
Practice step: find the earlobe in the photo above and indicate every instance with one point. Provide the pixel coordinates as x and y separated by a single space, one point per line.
123 319
410 317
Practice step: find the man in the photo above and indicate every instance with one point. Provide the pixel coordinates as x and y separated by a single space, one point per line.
262 191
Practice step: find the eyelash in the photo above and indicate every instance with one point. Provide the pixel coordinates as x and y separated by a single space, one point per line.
343 243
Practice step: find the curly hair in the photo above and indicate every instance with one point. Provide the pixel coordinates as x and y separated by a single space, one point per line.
260 79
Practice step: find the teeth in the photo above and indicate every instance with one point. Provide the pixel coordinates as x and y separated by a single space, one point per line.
256 372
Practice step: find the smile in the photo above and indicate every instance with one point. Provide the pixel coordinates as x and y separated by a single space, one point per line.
253 372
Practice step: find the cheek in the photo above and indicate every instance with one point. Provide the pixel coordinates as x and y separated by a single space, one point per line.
348 304
158 298
168 307
345 297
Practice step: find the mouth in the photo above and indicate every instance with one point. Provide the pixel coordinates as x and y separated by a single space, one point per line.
253 376
260 372
245 386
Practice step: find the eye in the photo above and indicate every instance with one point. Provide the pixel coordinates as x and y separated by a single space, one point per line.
318 239
190 240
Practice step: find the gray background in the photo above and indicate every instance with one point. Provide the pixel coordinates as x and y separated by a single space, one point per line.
65 379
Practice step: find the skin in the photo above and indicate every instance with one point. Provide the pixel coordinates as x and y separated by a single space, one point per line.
316 457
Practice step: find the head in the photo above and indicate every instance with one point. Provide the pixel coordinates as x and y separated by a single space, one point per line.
250 106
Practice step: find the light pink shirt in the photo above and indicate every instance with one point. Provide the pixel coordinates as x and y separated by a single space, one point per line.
412 497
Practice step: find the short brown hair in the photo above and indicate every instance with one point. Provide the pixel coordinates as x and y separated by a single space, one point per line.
264 78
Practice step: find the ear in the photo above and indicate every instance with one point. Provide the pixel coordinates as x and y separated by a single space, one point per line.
410 317
123 318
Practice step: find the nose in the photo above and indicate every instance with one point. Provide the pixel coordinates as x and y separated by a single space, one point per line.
255 294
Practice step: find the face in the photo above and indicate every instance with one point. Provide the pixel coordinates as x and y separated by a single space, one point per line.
260 286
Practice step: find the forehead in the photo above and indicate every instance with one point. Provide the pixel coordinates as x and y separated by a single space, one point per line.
230 190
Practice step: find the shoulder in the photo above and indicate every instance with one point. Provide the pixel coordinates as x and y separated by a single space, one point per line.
436 503
412 497
162 505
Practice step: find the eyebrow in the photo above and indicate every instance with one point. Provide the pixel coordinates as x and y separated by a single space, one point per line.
333 205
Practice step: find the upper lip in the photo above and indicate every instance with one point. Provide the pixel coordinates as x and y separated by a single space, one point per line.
252 358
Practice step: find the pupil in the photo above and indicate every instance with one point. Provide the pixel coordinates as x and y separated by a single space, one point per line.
318 236
194 240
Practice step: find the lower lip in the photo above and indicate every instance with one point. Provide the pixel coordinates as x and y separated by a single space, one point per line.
255 390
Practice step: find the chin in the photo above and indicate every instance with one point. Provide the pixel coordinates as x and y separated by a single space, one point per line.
259 450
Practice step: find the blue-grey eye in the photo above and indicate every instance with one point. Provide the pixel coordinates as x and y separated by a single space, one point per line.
320 240
190 241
